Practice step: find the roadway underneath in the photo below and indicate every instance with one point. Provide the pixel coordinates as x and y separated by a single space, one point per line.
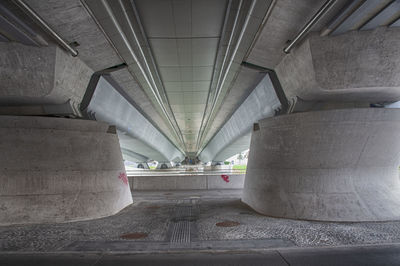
181 227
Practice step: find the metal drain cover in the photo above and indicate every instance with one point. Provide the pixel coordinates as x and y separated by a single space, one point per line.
227 224
136 235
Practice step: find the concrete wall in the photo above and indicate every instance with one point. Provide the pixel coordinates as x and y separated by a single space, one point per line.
355 66
261 103
40 75
58 170
110 106
338 165
175 182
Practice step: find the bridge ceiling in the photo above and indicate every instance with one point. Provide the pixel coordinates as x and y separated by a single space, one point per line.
186 55
184 37
184 58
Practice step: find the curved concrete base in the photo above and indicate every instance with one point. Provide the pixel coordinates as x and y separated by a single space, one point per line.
339 165
58 170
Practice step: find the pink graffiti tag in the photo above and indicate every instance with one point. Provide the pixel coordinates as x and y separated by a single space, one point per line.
225 178
124 178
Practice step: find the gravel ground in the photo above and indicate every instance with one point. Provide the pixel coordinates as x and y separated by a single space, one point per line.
151 213
302 233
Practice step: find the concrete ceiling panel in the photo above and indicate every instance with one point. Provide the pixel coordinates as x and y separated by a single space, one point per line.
202 73
208 17
182 10
165 51
170 74
157 17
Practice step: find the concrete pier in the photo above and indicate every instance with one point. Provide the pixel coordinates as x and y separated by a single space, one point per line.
338 165
58 170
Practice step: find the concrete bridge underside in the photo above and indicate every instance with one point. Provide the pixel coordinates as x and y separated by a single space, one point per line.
164 80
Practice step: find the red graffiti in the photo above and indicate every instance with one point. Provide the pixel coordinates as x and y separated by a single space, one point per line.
225 178
124 178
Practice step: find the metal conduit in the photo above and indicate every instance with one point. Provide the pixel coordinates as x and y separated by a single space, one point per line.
322 11
43 24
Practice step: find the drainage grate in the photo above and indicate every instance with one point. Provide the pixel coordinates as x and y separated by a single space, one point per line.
182 228
181 225
181 232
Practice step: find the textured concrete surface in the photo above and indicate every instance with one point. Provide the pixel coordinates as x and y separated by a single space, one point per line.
285 21
355 66
384 255
182 182
57 170
40 75
75 24
157 214
338 165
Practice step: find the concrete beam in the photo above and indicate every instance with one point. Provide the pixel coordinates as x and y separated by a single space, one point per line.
261 103
109 105
40 75
355 66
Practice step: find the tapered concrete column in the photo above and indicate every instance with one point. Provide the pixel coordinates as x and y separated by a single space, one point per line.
58 170
338 165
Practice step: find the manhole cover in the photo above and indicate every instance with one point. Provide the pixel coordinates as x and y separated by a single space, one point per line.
137 235
227 224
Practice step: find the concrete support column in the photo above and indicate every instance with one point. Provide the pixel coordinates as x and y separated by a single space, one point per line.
337 165
58 170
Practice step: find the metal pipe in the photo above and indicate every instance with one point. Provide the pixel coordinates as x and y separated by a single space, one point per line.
132 53
260 29
232 58
37 38
322 11
30 12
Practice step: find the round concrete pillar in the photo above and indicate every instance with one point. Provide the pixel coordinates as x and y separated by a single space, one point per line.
58 170
338 165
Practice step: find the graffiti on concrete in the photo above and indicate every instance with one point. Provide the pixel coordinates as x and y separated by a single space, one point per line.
124 178
225 178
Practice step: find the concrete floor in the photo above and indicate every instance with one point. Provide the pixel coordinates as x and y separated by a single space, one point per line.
349 256
185 222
